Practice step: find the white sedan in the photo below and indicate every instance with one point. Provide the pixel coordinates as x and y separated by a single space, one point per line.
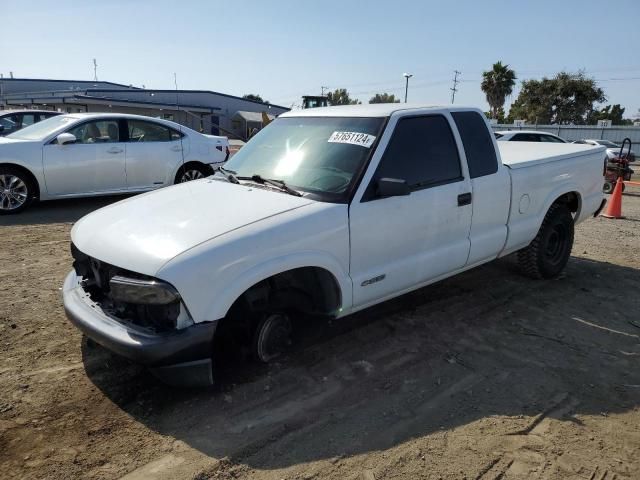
613 149
527 136
90 154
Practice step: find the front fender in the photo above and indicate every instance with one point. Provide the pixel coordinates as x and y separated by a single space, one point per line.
224 299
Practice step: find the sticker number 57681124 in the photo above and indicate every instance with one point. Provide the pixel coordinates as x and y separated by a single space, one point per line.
354 138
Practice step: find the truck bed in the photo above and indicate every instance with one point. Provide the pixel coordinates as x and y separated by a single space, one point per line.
542 172
526 154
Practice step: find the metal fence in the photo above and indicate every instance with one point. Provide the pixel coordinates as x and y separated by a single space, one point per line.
578 132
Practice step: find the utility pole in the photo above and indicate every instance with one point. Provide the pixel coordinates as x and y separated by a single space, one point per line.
407 76
455 85
95 70
322 89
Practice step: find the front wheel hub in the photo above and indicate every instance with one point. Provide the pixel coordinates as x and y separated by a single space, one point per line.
13 192
273 337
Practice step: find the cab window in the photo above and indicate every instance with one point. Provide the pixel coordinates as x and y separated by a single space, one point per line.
477 142
422 151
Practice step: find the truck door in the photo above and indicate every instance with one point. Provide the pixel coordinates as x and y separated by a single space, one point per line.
491 184
400 242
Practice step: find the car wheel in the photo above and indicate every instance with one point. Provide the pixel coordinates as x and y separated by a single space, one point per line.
548 253
608 187
192 172
16 190
272 337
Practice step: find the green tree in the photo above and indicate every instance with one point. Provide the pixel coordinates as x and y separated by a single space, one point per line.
255 98
501 117
384 98
497 85
609 112
340 96
567 98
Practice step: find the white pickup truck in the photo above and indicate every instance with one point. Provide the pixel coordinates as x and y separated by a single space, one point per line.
324 212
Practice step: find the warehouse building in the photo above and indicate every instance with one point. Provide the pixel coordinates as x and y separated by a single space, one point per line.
203 110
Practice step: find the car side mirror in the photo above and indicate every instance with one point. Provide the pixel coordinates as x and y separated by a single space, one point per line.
65 138
392 187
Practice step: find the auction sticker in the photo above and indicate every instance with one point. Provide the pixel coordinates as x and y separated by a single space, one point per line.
354 138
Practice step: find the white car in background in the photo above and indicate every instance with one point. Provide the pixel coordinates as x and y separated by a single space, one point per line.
527 136
613 149
90 154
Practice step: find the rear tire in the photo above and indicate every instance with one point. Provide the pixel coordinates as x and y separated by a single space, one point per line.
16 190
548 253
193 171
608 187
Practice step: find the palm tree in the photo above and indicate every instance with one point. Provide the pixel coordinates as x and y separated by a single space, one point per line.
497 85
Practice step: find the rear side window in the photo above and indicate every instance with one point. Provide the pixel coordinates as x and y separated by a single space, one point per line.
141 131
421 151
28 119
550 139
477 142
525 137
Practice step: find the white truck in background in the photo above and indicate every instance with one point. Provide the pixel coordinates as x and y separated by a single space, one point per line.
326 211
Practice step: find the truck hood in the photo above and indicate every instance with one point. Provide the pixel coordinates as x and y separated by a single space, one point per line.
142 233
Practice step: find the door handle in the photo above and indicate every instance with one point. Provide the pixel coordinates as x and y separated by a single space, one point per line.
464 199
114 150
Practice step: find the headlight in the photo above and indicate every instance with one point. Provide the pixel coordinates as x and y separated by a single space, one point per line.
142 292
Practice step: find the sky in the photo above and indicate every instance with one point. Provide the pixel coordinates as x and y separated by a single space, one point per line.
282 50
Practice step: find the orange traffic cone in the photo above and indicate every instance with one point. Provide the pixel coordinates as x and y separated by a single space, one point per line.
614 207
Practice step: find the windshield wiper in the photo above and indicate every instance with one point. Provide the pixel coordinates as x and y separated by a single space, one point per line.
276 183
230 175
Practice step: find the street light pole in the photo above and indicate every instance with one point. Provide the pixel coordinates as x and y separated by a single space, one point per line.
407 76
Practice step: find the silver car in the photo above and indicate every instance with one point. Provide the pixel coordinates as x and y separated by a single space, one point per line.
89 154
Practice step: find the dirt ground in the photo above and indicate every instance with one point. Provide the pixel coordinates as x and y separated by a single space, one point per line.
488 375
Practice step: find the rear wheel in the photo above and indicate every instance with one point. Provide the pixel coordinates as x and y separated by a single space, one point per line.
16 190
608 187
548 253
192 171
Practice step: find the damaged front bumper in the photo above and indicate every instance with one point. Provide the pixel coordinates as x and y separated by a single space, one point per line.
179 357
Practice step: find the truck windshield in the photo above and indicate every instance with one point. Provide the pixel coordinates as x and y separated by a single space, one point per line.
319 155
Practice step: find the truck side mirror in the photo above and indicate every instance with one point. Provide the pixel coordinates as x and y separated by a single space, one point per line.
392 187
65 138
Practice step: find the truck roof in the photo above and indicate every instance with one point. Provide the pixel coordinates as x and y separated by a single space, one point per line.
369 110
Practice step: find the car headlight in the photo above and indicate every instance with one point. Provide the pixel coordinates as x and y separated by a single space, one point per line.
142 292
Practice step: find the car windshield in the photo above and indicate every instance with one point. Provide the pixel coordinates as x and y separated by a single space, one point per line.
318 155
40 130
607 143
